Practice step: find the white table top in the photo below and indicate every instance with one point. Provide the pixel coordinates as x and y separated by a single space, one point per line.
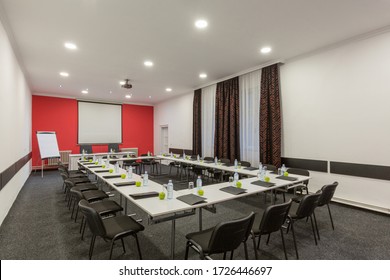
103 154
156 207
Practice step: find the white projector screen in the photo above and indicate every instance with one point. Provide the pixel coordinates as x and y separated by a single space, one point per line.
99 123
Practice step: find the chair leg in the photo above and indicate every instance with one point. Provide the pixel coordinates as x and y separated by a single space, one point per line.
312 227
112 245
77 212
316 226
269 235
82 235
258 242
91 246
254 244
284 245
295 241
224 255
123 246
139 249
246 251
284 197
330 215
187 249
231 254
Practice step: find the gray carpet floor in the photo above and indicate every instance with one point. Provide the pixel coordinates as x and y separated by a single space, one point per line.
38 227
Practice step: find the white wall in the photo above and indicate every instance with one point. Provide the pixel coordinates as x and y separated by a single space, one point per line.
15 122
336 107
177 114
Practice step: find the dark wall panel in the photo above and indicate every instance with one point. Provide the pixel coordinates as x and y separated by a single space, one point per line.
10 172
360 170
309 164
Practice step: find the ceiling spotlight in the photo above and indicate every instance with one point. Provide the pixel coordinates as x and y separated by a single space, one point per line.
150 96
128 96
64 74
202 75
70 46
122 83
265 50
201 23
84 91
148 63
168 89
110 91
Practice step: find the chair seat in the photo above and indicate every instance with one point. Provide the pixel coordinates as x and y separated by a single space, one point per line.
94 195
80 180
201 238
106 206
85 187
122 225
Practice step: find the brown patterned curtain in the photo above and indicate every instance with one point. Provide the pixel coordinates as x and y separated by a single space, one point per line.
197 123
270 121
227 120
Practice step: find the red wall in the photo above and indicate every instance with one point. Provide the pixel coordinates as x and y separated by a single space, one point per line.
60 115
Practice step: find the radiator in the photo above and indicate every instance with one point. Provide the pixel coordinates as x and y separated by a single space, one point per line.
64 158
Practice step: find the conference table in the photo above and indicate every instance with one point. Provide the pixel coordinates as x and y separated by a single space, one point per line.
173 209
74 158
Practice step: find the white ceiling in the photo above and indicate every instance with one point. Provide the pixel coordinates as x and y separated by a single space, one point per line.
115 37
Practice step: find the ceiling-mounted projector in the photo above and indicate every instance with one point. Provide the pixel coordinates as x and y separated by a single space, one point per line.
127 85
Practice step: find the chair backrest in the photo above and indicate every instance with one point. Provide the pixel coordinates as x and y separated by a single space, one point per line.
77 194
298 171
327 193
93 218
145 160
64 175
225 160
208 158
86 148
227 236
307 205
274 217
114 147
245 163
270 167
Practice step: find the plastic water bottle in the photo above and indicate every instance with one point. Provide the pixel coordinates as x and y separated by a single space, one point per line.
148 154
94 158
235 164
170 190
198 158
259 173
184 155
116 167
235 178
260 166
216 160
146 178
171 154
284 169
130 172
198 183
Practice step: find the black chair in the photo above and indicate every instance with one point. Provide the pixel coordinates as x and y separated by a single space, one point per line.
134 164
112 229
224 237
215 174
270 167
305 210
272 220
245 163
300 187
87 149
114 147
327 193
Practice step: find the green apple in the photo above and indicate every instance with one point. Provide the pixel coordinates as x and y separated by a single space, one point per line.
96 163
201 192
123 176
111 170
90 160
285 174
138 184
267 179
239 185
161 195
103 166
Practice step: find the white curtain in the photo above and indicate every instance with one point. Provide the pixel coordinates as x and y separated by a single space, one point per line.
249 117
208 120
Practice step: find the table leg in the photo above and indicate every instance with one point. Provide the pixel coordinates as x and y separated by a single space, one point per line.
125 206
200 218
173 232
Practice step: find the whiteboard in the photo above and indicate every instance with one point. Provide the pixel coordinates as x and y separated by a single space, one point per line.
48 146
99 123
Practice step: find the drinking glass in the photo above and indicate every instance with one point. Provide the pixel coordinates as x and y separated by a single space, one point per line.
190 185
231 179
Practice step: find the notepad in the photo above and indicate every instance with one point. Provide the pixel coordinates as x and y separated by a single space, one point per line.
287 178
122 184
263 184
101 171
228 164
143 195
233 190
111 176
95 166
191 199
250 168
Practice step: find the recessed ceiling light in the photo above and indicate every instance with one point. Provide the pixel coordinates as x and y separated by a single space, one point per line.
148 63
266 50
60 85
122 83
128 96
168 89
64 74
201 23
70 46
110 91
150 96
84 91
203 75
